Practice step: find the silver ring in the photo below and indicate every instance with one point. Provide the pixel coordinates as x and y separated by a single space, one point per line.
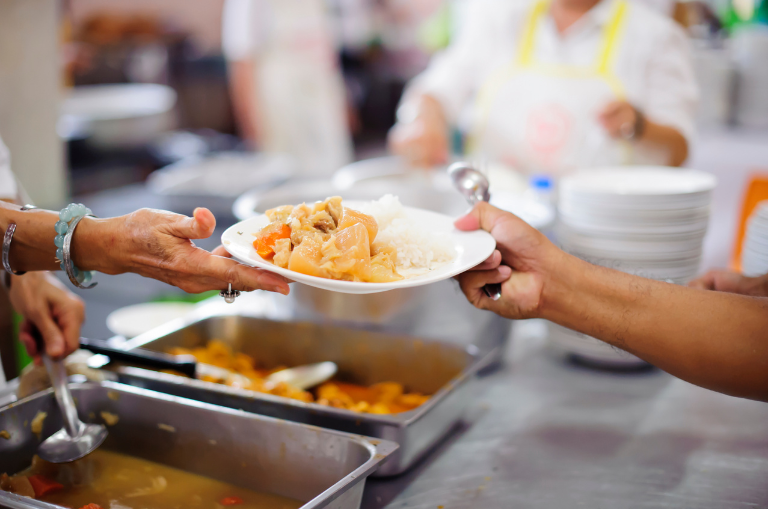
68 264
229 295
7 250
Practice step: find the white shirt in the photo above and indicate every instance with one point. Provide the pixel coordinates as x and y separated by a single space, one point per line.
653 59
8 186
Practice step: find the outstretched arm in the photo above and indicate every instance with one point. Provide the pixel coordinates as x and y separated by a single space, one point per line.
152 243
712 339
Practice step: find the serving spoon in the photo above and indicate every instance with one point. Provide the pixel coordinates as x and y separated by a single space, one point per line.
301 377
76 439
474 186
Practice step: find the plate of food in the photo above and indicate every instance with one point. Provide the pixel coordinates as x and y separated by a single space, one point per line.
357 247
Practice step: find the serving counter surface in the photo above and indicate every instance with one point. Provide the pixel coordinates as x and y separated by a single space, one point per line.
547 433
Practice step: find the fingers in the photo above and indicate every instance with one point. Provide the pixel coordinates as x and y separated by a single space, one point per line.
53 339
491 263
26 339
472 284
705 282
242 277
610 109
70 316
200 226
482 216
221 251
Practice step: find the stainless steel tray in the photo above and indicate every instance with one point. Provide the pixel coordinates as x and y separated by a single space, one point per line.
365 357
323 467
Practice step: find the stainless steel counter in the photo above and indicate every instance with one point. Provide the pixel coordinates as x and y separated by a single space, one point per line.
550 434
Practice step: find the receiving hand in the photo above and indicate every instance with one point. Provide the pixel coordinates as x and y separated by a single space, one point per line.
519 263
158 244
619 119
46 304
732 282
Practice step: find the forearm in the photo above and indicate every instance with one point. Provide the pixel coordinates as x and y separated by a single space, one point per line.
243 91
669 138
33 248
712 339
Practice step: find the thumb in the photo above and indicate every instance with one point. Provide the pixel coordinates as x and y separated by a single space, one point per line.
199 226
483 216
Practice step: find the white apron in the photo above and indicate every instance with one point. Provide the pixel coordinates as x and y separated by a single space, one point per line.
543 118
300 89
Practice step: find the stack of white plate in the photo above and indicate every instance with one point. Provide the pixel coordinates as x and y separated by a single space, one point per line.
647 221
754 251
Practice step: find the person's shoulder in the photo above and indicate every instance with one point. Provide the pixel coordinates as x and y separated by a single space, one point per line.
652 22
497 11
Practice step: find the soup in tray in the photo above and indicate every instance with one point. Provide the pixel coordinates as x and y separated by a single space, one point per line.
110 480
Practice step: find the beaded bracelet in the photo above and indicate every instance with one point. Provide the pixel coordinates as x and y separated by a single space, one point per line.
69 217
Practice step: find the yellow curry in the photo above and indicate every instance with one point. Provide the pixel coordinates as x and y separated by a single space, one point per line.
380 398
327 240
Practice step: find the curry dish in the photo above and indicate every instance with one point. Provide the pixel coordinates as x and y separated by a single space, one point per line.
380 398
109 480
327 240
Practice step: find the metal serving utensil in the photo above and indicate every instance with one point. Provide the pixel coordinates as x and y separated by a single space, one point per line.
474 186
76 439
301 377
305 377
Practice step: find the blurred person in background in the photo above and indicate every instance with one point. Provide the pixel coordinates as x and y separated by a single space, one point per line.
729 281
547 87
286 85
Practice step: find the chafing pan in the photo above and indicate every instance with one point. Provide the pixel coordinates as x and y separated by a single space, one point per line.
363 356
325 468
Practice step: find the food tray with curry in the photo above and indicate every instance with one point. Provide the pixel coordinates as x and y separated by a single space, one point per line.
408 390
169 452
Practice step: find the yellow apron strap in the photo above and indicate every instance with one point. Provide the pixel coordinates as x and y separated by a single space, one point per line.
528 40
611 33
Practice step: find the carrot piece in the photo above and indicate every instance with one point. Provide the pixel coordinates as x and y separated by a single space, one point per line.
266 238
231 501
91 506
42 485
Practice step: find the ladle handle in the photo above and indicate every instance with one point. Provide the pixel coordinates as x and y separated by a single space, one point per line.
58 375
185 364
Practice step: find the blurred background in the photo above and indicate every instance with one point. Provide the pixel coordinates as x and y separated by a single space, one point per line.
121 104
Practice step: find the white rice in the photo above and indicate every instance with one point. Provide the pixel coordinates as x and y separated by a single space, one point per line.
417 247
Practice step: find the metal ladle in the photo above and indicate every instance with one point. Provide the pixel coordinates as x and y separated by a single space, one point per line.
474 186
76 439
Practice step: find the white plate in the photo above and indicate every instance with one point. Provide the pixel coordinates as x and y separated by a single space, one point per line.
643 182
471 248
131 321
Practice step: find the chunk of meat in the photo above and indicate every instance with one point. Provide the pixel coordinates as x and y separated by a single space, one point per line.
383 269
334 208
323 221
352 217
279 213
18 484
348 255
307 258
282 252
266 238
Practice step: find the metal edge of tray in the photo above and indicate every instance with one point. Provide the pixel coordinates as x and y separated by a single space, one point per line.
379 449
401 419
454 392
